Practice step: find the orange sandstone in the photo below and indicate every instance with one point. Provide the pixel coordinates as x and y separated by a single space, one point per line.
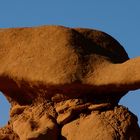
65 83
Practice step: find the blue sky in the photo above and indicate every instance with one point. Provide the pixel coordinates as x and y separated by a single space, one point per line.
120 18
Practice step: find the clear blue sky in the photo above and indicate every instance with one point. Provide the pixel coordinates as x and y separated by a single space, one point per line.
120 18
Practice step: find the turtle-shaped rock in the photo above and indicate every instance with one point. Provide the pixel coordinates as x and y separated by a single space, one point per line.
51 74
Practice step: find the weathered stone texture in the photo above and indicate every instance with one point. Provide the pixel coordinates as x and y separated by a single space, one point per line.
65 83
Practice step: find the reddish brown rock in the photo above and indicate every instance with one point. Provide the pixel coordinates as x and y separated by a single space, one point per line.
57 77
115 124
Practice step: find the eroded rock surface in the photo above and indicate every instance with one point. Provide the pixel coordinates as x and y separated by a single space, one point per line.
65 83
113 124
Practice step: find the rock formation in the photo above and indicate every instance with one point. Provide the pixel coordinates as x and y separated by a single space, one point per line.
65 84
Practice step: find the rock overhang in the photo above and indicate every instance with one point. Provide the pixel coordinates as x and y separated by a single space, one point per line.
55 56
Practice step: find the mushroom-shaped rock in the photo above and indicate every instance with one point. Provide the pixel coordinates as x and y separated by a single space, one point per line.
52 74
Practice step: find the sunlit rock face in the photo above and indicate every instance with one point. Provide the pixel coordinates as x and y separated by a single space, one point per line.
65 83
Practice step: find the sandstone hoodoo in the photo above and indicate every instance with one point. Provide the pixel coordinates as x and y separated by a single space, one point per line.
65 83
